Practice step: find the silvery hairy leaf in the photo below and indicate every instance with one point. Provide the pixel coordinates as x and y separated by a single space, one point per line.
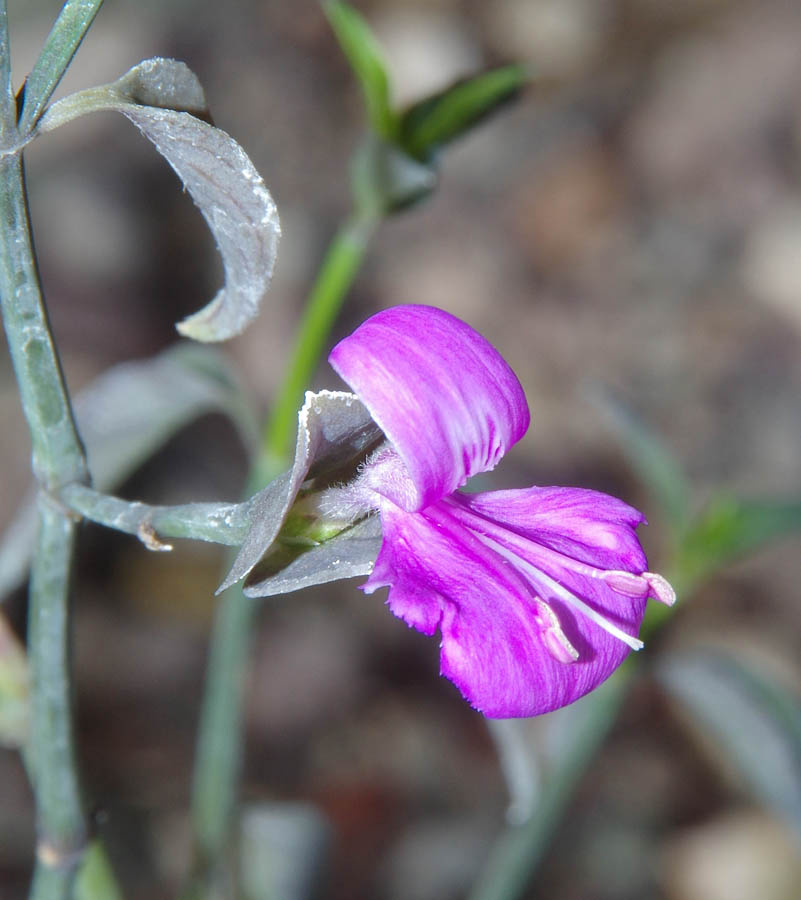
162 97
334 431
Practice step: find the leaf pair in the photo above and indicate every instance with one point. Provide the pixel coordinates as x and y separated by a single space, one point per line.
397 164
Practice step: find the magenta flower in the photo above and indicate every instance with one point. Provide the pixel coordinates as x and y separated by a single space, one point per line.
538 593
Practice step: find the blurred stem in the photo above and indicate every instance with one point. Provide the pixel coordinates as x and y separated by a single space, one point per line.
64 39
219 753
61 826
220 739
519 850
340 266
58 460
58 457
7 106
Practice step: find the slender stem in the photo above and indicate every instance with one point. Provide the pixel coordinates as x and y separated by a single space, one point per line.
520 848
7 107
63 41
220 740
61 825
220 737
220 523
339 268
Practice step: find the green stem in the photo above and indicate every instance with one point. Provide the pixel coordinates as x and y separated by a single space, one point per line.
220 523
339 268
220 741
220 732
58 460
61 825
63 41
520 849
7 107
58 457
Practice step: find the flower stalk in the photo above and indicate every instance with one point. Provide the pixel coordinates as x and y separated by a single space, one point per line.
340 267
219 748
220 738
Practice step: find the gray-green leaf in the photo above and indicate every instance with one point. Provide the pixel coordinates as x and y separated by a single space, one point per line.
125 416
755 722
446 115
216 172
334 429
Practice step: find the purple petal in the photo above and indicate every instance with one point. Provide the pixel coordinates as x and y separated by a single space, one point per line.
443 395
501 596
586 525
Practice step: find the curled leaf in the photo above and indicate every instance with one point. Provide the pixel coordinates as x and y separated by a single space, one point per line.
163 83
162 98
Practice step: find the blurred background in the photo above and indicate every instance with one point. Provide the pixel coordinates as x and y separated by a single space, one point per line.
633 221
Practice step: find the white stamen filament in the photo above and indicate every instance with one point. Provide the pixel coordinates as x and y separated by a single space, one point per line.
629 584
539 576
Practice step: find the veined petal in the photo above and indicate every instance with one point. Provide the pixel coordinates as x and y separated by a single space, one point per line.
444 397
583 524
526 628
